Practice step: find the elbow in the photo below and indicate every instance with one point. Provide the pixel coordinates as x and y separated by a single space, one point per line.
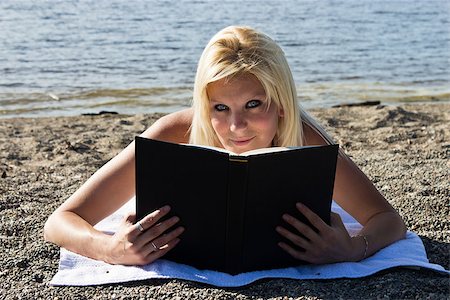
395 224
48 229
47 235
401 226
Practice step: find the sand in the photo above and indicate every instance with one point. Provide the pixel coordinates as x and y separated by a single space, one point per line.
403 149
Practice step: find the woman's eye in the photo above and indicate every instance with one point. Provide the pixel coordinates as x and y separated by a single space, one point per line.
253 103
220 107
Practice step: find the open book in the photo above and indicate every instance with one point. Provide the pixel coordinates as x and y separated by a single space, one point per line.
230 204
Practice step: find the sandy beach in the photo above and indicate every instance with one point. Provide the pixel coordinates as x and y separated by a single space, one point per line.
403 149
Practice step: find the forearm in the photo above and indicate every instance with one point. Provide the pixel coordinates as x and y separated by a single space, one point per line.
71 225
380 231
70 231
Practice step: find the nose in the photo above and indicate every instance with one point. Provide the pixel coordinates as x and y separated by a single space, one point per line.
238 121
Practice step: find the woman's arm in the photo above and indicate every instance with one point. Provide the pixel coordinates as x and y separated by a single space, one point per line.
357 195
71 225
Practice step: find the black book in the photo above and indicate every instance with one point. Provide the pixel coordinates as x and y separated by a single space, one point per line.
230 204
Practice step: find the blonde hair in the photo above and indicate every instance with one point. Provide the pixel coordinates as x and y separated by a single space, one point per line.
238 50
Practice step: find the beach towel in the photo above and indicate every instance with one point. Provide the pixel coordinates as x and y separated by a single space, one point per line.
77 270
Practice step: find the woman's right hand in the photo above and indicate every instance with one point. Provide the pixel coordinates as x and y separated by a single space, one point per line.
135 245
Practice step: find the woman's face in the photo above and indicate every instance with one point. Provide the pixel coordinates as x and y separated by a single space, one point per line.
241 115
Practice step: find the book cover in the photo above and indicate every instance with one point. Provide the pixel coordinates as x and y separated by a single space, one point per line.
230 204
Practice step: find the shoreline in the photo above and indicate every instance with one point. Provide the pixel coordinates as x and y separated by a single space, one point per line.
404 149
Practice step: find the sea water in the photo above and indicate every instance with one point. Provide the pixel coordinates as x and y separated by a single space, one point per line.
71 57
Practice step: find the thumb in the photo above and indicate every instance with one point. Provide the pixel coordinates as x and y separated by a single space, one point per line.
336 221
130 218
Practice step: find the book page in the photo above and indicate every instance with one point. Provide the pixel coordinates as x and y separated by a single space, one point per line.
211 148
247 153
265 150
273 149
250 152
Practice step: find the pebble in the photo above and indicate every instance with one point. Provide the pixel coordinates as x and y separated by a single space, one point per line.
36 186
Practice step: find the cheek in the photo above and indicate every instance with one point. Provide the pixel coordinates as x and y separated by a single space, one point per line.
218 125
268 126
267 122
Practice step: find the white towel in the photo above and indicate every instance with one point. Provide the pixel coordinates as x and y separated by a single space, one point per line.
78 270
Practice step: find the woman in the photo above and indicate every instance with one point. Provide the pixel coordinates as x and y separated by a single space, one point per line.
244 98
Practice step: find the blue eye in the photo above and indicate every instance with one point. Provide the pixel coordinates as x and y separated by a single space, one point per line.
220 107
253 103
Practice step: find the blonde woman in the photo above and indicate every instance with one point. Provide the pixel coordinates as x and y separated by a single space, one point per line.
244 98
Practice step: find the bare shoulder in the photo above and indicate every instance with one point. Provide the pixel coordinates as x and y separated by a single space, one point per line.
312 135
173 127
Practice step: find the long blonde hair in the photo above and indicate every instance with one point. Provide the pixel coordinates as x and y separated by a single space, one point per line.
238 50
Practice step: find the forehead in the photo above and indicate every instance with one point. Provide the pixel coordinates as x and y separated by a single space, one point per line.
242 86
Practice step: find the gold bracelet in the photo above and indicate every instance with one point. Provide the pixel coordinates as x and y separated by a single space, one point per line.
366 242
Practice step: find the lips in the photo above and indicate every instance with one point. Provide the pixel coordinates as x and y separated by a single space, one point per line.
242 141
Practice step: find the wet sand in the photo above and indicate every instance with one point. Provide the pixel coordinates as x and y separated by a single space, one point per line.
403 149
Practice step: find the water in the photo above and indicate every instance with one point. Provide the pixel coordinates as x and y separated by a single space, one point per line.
70 57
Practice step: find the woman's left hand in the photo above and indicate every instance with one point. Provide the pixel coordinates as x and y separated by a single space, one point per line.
330 244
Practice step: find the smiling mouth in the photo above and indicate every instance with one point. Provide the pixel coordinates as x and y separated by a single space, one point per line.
242 142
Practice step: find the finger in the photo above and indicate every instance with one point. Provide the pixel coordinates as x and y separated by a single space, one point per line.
302 228
150 219
294 253
297 240
155 231
312 217
163 241
130 218
300 255
154 255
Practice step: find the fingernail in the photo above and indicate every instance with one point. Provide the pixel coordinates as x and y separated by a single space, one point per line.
299 205
165 208
286 217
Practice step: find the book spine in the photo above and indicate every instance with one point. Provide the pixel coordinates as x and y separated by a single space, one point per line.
237 192
137 167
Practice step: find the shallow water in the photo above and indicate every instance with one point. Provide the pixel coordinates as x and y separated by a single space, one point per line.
71 57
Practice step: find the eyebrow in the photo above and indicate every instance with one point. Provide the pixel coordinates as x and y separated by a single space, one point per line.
255 97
